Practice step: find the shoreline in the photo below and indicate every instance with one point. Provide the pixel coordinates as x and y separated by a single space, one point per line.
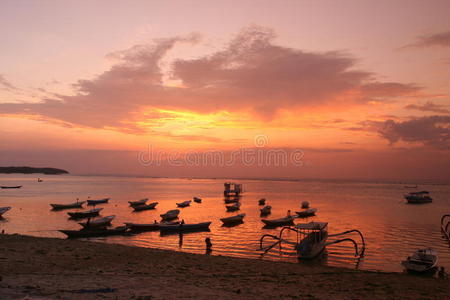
52 268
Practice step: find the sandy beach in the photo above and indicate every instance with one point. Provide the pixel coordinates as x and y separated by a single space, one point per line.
47 268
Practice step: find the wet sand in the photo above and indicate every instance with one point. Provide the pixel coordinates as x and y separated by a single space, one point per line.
46 268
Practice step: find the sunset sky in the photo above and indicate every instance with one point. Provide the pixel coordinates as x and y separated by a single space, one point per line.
361 88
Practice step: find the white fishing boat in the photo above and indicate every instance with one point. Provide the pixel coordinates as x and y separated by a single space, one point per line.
184 204
101 222
422 260
4 209
236 206
306 213
266 210
138 202
289 220
314 240
419 197
170 215
233 220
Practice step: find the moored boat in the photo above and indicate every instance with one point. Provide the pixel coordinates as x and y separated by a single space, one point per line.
421 261
145 206
11 187
184 204
418 197
236 206
306 213
170 215
289 220
83 233
137 227
85 214
77 204
266 210
185 227
96 223
305 204
4 209
315 235
231 200
262 201
138 202
197 200
233 220
97 201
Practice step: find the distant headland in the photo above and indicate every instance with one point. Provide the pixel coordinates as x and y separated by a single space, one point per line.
31 170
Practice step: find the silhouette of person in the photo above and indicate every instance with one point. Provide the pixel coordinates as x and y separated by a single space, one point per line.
208 245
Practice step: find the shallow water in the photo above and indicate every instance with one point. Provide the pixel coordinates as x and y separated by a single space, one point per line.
392 229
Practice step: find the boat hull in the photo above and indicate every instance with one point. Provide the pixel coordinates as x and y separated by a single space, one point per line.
11 187
95 202
84 233
66 206
185 227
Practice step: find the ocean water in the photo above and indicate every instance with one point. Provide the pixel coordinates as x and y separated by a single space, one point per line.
392 229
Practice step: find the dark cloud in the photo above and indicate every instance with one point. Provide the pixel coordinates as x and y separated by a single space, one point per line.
428 106
429 131
251 74
437 39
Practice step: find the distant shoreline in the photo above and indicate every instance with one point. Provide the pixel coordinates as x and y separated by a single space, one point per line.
32 170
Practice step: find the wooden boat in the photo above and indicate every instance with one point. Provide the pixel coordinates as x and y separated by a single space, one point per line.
170 215
145 206
98 201
184 204
11 187
138 202
279 222
4 209
185 227
418 197
139 227
96 223
314 239
231 200
266 210
78 204
233 207
83 233
262 201
305 204
232 189
233 220
422 260
306 213
197 200
84 214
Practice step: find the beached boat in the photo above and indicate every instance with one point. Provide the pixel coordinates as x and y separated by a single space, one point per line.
84 214
138 202
422 260
185 227
306 213
233 220
102 222
77 204
4 209
262 201
83 233
197 200
419 197
11 187
305 204
139 227
236 206
97 201
266 210
289 220
145 206
184 204
170 215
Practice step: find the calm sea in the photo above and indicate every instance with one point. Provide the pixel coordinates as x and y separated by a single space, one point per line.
392 229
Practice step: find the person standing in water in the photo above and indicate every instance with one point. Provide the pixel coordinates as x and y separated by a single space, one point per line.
208 245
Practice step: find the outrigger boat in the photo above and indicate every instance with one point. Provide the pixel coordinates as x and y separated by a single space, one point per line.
84 233
289 220
97 201
3 210
232 189
236 206
197 200
233 220
145 206
84 214
139 227
231 200
102 222
311 239
423 260
306 213
185 227
77 204
170 215
262 201
266 210
184 204
11 187
138 202
418 197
